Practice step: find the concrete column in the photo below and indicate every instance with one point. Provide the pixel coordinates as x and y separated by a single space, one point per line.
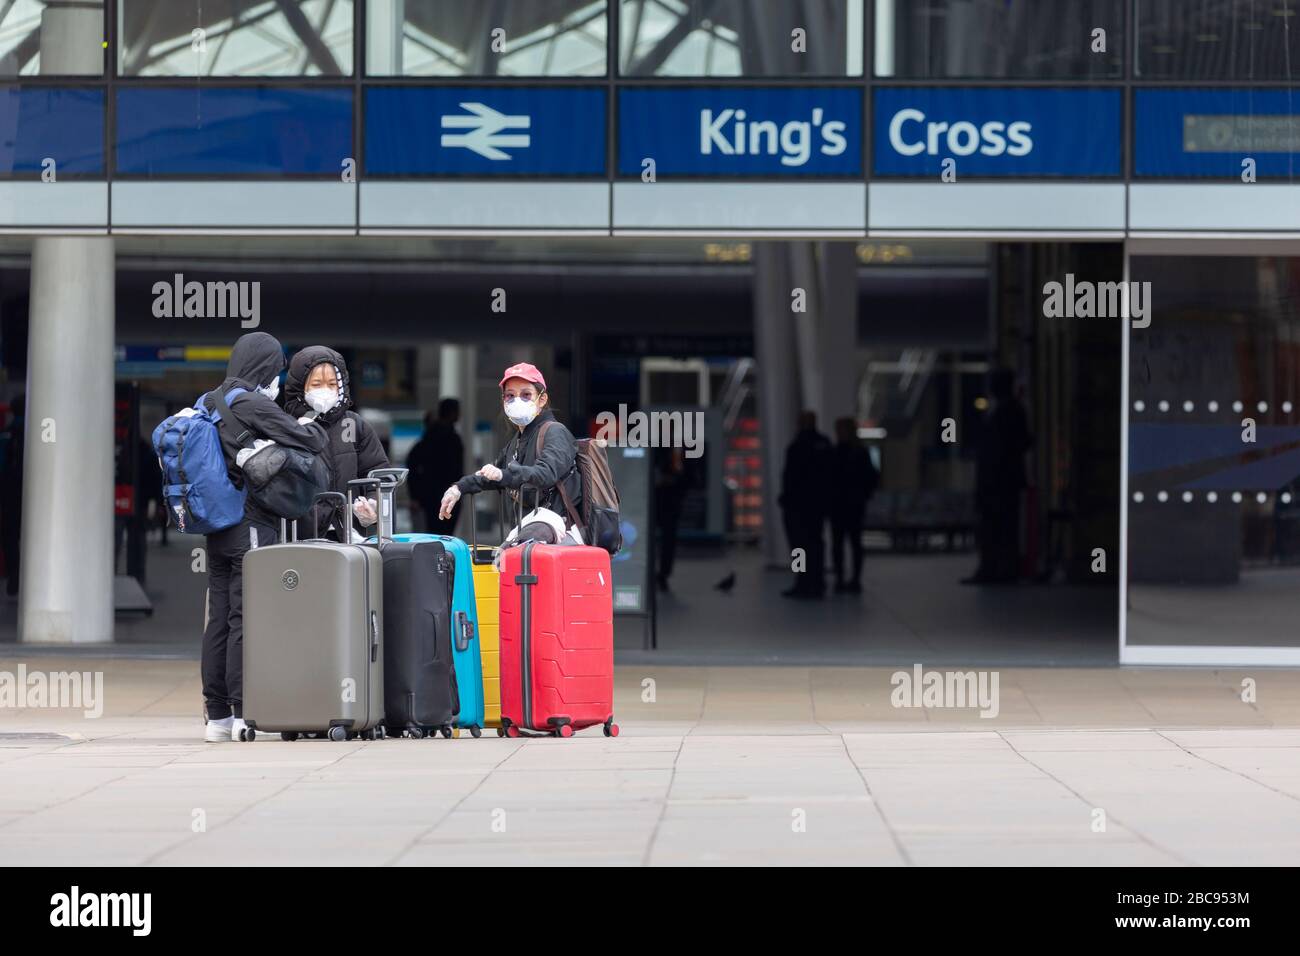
426 376
66 587
66 594
837 314
72 38
778 385
458 378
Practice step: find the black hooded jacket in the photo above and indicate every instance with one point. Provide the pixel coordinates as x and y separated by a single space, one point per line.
520 465
353 451
255 362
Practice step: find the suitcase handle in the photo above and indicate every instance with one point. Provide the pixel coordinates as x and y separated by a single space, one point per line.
287 527
384 526
374 636
395 475
473 529
464 633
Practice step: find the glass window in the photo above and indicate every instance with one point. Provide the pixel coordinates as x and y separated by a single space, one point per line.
235 37
996 39
740 38
51 39
481 38
43 123
1213 486
1223 40
233 131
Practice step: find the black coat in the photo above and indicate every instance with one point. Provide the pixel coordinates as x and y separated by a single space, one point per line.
436 462
255 362
521 466
803 480
346 459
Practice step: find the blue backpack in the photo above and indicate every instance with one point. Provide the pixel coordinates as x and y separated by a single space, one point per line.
199 493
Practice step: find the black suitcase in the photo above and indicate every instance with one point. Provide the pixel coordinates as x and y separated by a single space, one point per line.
420 697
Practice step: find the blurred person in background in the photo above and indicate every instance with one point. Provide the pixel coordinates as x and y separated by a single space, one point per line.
853 480
436 461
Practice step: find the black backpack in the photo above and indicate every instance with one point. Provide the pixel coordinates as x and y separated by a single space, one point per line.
283 481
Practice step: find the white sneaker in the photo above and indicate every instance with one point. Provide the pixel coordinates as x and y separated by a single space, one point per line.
219 730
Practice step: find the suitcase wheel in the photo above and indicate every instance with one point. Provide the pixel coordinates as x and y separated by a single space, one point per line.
512 731
446 731
476 732
501 731
565 730
288 735
415 733
611 728
338 734
455 732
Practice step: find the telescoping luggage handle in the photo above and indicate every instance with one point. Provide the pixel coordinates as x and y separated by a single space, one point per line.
473 529
391 479
384 489
291 527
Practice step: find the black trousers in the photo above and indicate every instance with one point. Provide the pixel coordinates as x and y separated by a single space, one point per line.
668 515
805 531
223 637
847 530
436 525
999 537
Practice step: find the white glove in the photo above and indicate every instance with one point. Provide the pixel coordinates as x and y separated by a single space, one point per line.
364 509
449 499
490 472
246 453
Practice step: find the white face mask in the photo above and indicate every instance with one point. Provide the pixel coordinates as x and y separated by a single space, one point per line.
322 399
272 390
521 412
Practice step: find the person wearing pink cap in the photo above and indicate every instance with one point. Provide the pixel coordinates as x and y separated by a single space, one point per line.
541 459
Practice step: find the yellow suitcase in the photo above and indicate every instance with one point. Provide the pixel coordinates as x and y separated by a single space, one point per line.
487 599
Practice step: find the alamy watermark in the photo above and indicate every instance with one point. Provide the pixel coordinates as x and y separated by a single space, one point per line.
72 690
1097 300
946 689
73 909
179 299
653 430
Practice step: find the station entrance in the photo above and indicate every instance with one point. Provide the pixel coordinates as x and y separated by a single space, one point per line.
905 339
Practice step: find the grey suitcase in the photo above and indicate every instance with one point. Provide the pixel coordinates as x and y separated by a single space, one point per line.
313 639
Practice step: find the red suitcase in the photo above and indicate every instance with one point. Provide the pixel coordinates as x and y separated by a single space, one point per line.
557 640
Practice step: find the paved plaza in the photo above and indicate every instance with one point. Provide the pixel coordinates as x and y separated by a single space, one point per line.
725 765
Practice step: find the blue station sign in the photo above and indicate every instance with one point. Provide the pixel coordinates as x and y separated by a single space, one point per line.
997 132
727 132
1211 133
485 131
